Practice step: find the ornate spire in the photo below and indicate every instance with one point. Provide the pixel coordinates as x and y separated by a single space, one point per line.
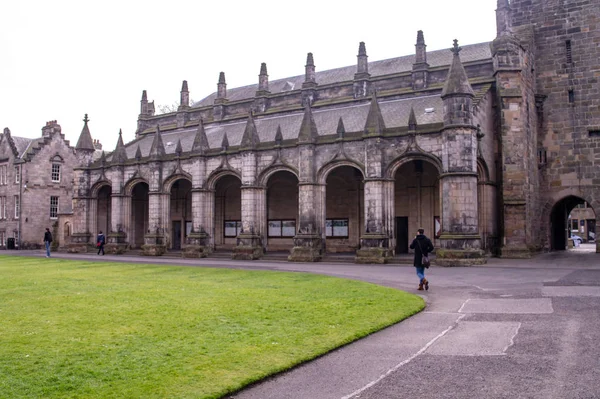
103 159
309 75
278 136
412 120
85 141
184 97
224 143
144 104
374 126
120 154
341 130
221 87
263 80
457 82
250 137
308 128
362 67
420 49
178 149
200 145
158 149
138 153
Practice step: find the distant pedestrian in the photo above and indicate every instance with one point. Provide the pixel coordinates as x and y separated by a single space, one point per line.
422 246
100 241
47 241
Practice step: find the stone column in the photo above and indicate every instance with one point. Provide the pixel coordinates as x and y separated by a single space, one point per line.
155 240
116 239
80 239
375 240
249 241
309 242
460 242
198 243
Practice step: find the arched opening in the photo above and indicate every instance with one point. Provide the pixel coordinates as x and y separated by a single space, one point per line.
572 222
487 209
103 215
344 209
139 214
228 211
416 202
282 210
180 210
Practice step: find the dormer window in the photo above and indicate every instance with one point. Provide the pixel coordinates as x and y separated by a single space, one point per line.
56 173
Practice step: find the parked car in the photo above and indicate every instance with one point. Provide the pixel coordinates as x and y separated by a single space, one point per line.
576 240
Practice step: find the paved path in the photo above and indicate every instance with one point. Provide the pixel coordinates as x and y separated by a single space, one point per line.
508 329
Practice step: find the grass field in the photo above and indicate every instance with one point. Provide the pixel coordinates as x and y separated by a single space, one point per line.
72 329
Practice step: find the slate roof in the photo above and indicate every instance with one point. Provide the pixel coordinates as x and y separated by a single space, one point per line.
395 114
23 144
469 53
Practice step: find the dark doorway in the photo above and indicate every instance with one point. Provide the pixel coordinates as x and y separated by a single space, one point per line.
177 235
401 235
563 224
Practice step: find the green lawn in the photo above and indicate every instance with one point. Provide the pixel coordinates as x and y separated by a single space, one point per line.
71 329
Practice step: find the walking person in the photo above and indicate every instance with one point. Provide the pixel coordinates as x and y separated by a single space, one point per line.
422 246
100 241
47 241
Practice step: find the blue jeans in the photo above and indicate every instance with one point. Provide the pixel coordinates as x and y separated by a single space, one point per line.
47 248
420 273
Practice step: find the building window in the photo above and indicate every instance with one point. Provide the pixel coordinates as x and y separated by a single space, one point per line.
575 224
594 133
569 52
3 177
56 173
571 96
282 228
2 207
231 228
53 207
2 239
17 174
17 206
336 228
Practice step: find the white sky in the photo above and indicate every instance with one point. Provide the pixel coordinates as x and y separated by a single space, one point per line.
62 59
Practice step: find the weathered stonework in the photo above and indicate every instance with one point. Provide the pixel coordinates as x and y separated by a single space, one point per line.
488 147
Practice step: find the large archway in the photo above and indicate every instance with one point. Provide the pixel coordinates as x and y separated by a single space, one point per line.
139 214
282 210
344 204
416 202
180 211
228 211
571 217
103 215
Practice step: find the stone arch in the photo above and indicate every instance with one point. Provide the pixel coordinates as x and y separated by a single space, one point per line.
66 232
414 199
483 172
169 181
98 186
131 183
281 195
555 217
266 174
227 208
326 169
215 176
394 165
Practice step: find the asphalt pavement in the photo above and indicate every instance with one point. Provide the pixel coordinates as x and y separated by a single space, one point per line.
508 329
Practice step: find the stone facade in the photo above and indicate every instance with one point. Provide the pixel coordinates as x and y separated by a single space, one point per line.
488 147
36 180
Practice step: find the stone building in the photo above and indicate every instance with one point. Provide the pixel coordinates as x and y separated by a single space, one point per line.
36 184
488 147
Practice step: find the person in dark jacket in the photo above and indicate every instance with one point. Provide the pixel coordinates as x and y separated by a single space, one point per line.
100 241
422 246
47 241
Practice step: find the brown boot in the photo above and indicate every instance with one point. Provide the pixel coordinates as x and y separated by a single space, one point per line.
426 283
420 287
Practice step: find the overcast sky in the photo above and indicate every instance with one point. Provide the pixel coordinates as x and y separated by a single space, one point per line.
62 59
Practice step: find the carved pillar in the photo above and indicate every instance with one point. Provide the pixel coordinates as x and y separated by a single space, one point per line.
155 239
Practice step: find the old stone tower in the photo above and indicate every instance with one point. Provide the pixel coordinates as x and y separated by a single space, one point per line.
487 146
